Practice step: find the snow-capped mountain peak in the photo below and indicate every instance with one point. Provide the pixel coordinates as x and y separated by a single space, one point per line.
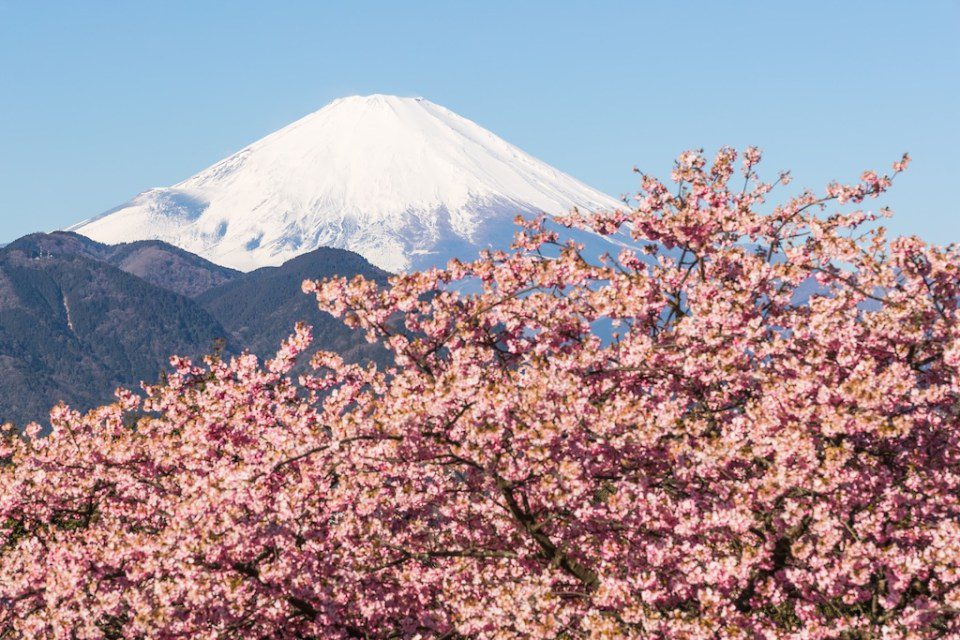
402 181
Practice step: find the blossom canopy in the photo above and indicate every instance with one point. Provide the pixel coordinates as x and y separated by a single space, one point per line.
764 445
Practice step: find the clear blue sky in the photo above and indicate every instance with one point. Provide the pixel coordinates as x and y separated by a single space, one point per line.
101 100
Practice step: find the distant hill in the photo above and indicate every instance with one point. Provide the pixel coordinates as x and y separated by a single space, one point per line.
156 262
260 308
74 328
79 318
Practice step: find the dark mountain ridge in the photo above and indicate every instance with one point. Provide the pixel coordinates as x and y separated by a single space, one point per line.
79 318
73 329
156 262
260 308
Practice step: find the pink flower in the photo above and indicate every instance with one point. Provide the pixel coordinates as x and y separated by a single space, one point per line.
750 456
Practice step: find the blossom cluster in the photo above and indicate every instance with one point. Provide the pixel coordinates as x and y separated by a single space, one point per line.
744 425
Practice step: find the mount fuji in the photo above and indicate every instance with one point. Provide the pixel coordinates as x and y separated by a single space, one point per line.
403 182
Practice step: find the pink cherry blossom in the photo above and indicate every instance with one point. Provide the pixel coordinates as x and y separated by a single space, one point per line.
766 446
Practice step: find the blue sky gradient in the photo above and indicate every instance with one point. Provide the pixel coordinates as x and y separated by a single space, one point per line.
101 100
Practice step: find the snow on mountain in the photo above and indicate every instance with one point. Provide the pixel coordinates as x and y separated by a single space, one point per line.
402 181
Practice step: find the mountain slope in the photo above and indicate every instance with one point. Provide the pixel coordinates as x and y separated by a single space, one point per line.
260 308
402 181
159 263
75 323
74 328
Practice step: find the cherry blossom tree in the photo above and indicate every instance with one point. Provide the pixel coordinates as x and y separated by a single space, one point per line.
764 445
